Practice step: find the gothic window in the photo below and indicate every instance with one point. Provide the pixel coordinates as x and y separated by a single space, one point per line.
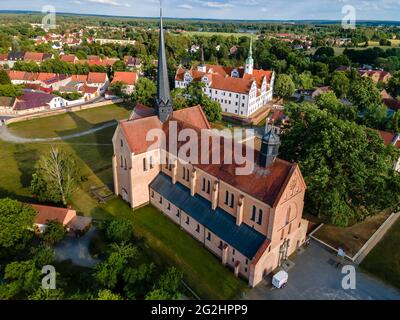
226 197
260 216
144 164
253 214
232 200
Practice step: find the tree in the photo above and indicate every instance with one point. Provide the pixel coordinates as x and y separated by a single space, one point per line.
15 220
145 92
284 86
21 278
47 294
4 78
56 177
305 80
167 288
10 90
54 232
42 255
119 230
393 85
329 102
118 88
109 272
179 99
364 93
347 168
106 294
212 109
340 84
324 51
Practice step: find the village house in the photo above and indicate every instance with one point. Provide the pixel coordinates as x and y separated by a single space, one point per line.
127 78
240 91
30 102
252 222
66 216
37 57
375 75
133 63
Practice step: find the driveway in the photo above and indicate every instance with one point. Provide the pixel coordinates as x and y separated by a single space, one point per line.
76 249
315 277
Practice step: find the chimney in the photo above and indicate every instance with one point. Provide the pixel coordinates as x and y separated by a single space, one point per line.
269 146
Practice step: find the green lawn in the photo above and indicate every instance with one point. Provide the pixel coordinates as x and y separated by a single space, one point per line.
384 260
164 241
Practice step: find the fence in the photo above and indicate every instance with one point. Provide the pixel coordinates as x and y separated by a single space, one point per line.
369 244
61 111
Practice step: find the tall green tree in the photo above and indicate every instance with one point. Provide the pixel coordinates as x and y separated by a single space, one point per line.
347 168
56 176
145 92
284 86
16 219
340 84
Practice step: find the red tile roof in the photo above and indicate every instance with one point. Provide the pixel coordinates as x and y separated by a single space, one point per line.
79 78
387 137
265 184
34 56
88 89
96 77
221 79
129 78
44 76
46 214
68 58
3 56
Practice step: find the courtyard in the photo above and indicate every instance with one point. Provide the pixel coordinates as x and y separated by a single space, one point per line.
315 276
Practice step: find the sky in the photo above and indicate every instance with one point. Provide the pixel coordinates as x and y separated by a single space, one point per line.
221 9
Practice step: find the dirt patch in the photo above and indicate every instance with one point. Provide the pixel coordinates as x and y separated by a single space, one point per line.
351 239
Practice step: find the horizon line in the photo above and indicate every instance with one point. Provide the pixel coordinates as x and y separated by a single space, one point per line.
187 18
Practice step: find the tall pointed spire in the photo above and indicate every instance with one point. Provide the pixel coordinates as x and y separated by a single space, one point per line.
163 100
202 66
249 61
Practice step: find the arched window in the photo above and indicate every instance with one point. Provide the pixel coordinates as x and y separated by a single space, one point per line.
151 162
288 214
204 185
187 175
232 200
260 216
208 186
253 214
184 173
226 197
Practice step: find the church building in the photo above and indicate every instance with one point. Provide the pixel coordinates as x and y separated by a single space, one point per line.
251 223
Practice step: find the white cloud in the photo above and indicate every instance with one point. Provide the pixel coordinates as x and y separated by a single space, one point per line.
110 2
217 5
185 6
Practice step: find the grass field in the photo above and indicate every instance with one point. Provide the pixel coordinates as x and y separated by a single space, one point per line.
384 260
164 240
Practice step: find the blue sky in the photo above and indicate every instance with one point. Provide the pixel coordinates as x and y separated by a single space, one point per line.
226 9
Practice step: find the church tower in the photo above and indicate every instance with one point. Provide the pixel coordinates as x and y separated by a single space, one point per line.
202 66
269 146
163 100
249 61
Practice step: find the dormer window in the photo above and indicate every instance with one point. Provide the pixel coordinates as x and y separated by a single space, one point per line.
188 77
235 73
205 80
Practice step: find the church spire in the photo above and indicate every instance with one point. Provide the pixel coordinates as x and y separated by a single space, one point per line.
202 66
249 61
163 100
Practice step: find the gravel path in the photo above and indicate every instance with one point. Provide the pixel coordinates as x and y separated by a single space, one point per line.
6 135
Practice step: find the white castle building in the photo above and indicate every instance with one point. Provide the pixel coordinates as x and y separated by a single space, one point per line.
240 91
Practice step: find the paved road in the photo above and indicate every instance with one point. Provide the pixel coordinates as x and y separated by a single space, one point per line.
76 250
315 277
6 135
